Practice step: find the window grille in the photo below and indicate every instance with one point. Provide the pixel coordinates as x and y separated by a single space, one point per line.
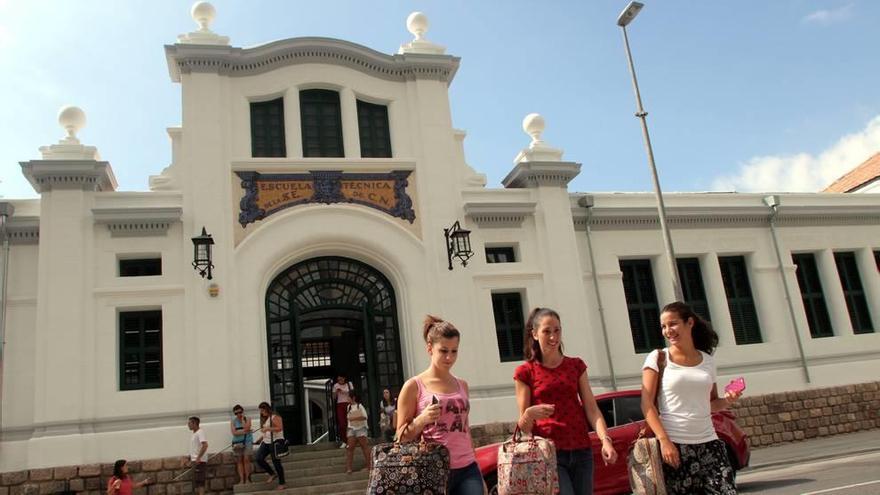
509 325
374 130
140 350
321 121
692 288
267 129
641 304
812 295
856 304
140 267
500 255
746 329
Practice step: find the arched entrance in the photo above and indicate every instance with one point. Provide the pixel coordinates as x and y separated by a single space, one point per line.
326 316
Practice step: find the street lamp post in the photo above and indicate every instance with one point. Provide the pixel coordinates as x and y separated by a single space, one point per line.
625 17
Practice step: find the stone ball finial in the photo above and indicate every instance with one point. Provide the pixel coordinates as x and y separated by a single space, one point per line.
203 13
417 24
72 119
533 125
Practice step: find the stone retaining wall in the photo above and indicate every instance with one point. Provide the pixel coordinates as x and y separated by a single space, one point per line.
777 418
767 419
91 479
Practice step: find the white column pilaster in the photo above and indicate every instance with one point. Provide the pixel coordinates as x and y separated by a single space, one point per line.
351 138
717 299
870 275
834 298
292 124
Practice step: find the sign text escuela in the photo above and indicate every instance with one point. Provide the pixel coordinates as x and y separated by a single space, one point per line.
266 194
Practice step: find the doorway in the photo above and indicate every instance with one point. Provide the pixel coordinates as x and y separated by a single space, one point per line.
328 316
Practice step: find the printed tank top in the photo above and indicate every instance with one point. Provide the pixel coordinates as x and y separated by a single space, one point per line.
451 428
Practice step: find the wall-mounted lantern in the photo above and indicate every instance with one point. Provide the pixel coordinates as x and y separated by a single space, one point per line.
202 254
458 244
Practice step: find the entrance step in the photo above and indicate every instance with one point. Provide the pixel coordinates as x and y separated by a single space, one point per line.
359 486
313 470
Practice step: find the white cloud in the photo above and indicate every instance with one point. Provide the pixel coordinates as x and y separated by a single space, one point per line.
829 16
803 172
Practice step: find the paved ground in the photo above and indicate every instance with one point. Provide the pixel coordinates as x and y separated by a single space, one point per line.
817 448
839 465
849 475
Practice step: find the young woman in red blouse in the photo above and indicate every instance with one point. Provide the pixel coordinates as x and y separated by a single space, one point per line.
556 402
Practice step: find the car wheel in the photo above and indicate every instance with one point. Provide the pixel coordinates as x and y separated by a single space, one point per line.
492 483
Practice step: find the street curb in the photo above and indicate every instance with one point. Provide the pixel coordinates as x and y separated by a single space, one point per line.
818 457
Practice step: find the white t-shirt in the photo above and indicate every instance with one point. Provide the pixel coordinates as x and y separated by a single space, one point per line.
195 444
271 436
683 399
342 390
357 410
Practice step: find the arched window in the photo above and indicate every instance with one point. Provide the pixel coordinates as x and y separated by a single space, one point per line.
321 123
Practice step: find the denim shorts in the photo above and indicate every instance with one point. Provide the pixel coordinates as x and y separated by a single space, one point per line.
358 432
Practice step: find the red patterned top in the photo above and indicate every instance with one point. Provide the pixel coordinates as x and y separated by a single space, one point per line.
568 427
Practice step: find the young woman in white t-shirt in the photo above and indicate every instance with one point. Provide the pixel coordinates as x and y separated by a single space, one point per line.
358 430
694 459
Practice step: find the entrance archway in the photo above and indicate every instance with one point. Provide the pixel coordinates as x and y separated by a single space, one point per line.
326 316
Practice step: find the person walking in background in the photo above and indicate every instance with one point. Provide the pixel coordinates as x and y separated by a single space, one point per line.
435 405
694 459
121 483
271 428
357 432
242 443
198 447
387 415
556 402
341 389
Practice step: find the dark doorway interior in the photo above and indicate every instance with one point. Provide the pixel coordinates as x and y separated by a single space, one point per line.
327 316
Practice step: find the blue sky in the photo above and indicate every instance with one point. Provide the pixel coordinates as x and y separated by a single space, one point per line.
749 95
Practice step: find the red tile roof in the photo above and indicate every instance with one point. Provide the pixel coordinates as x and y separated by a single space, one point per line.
868 171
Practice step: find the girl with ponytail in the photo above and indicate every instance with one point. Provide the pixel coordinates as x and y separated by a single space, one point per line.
694 459
434 405
556 402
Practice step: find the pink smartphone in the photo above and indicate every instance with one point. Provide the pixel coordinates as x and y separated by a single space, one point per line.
736 385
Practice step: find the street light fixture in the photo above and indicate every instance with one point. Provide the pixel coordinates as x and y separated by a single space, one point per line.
202 261
625 17
458 244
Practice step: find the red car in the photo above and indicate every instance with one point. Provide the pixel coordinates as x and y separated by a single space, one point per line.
623 415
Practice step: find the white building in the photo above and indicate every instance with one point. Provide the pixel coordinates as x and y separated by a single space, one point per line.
326 173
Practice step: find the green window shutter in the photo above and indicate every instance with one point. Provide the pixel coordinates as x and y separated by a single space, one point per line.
641 304
812 295
503 254
746 329
373 129
692 288
509 325
140 350
321 121
267 129
856 304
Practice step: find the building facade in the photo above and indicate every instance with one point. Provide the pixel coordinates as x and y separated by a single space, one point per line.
328 176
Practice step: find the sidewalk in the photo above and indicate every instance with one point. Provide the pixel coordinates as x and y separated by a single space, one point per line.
815 449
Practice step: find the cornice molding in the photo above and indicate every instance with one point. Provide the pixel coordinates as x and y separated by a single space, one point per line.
23 230
137 222
537 174
499 214
640 219
238 62
88 175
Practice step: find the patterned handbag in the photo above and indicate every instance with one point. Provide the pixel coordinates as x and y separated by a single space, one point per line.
527 467
409 468
645 464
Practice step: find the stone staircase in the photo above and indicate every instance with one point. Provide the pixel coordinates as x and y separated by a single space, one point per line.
313 470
